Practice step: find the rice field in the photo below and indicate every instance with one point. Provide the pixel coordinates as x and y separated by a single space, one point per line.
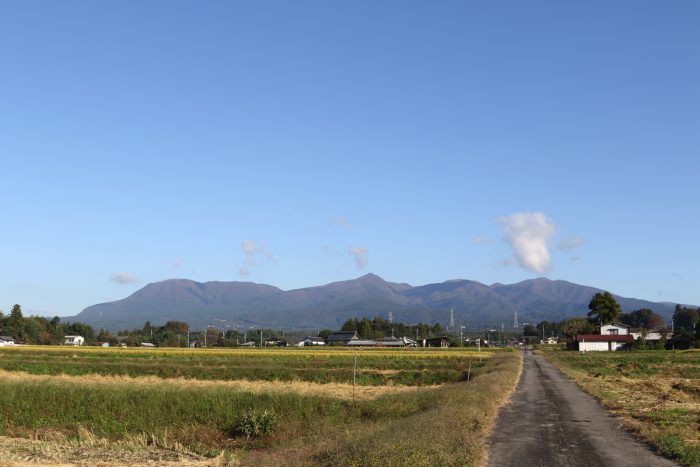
288 406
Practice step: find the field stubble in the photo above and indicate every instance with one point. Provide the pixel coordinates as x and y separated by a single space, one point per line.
445 421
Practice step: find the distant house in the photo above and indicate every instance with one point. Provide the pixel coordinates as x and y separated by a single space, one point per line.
396 342
275 341
342 338
147 345
651 335
6 340
615 329
362 343
248 344
551 341
308 341
602 342
74 340
441 342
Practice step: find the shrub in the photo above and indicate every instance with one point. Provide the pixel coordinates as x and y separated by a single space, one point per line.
255 424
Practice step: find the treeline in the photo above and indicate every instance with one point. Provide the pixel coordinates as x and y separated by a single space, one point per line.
40 330
643 319
377 327
604 309
686 321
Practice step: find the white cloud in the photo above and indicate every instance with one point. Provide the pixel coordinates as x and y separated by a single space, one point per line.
479 240
359 254
123 278
254 256
529 234
177 264
571 243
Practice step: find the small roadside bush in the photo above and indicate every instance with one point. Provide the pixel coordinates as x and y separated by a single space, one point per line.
255 424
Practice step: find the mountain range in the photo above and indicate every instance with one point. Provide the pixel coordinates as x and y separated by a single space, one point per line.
247 304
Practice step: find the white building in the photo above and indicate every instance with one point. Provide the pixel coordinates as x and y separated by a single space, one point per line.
651 335
74 340
313 341
598 342
615 329
5 340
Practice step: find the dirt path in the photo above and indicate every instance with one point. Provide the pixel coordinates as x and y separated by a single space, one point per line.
551 422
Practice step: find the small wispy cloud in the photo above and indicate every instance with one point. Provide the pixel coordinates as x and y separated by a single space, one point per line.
254 256
570 243
505 262
529 234
479 240
341 222
177 264
123 278
359 254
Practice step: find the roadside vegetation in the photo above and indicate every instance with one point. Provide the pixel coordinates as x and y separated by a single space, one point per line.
655 394
288 406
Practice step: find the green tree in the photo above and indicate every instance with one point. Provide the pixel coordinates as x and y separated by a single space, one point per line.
575 326
604 309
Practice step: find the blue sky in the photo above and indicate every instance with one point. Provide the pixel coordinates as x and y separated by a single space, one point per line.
299 143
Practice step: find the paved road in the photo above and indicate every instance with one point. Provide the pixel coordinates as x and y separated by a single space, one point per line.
551 422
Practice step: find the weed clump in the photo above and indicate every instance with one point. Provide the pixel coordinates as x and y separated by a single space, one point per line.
255 424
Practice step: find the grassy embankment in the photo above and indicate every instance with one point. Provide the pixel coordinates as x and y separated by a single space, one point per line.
446 420
656 394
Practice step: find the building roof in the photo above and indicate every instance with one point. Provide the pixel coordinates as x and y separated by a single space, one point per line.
7 338
619 325
342 336
604 338
362 342
314 339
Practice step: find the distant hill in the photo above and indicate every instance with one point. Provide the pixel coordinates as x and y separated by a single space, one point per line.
247 304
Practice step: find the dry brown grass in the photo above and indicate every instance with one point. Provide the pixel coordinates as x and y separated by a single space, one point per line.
335 390
91 451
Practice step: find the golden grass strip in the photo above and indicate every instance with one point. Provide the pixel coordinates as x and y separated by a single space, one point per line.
334 390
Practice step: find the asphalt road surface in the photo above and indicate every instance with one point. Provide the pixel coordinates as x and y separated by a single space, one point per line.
551 422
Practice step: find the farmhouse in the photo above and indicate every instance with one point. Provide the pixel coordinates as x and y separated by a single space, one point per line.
651 335
74 340
362 343
275 341
342 338
615 329
396 342
313 341
602 342
436 342
6 340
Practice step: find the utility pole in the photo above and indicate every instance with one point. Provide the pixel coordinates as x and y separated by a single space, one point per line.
543 332
261 338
